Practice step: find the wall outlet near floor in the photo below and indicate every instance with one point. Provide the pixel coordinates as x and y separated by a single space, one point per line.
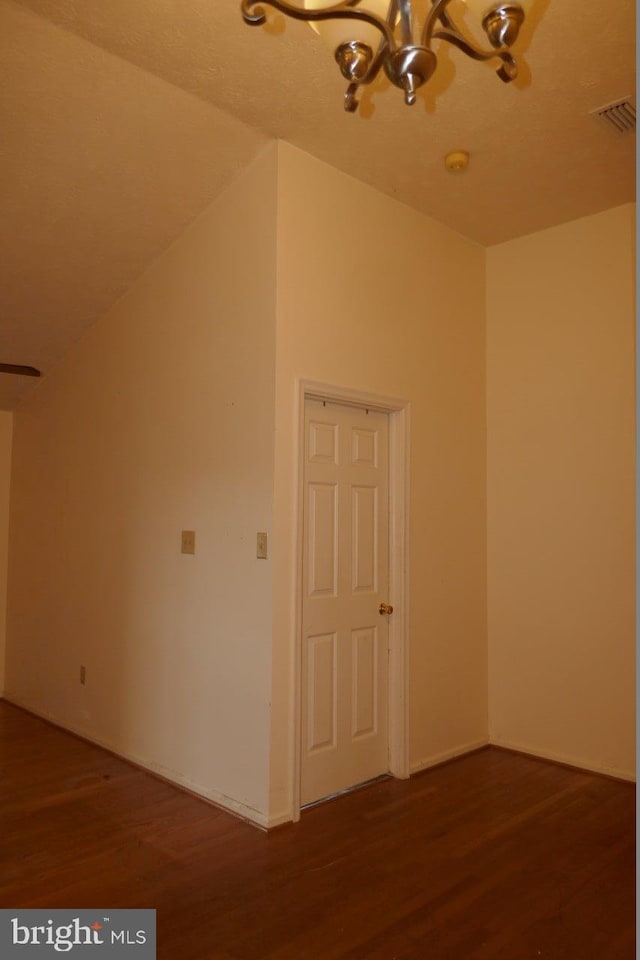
83 675
188 541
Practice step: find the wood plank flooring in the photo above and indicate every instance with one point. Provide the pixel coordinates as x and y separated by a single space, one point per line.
491 856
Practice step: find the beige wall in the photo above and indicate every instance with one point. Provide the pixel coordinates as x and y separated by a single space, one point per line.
6 431
374 296
160 419
560 413
163 418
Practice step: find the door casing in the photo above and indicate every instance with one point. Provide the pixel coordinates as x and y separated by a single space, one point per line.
398 411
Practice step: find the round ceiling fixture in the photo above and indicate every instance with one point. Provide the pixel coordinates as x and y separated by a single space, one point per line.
457 162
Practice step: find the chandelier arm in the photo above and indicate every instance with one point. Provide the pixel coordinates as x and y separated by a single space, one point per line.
351 103
445 19
437 12
254 14
507 72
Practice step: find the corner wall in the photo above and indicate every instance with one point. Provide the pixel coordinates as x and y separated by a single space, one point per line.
160 419
6 434
561 488
377 297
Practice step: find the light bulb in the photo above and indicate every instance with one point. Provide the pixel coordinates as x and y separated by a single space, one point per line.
335 33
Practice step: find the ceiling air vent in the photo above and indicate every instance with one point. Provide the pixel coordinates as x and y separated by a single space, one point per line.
620 115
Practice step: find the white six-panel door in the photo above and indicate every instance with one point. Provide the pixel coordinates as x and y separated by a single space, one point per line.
345 639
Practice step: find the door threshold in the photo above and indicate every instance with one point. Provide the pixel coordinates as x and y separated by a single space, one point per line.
341 793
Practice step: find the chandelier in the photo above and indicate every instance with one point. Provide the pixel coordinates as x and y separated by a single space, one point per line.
383 35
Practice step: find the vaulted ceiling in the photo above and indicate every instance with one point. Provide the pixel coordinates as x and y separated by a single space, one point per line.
122 120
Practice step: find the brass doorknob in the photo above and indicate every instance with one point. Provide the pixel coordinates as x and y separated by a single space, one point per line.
385 608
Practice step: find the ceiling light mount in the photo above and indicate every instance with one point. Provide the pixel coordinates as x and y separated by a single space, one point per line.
381 34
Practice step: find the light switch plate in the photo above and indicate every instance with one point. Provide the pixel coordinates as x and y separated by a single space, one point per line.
188 541
261 551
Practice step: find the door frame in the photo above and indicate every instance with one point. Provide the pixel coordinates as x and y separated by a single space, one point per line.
398 411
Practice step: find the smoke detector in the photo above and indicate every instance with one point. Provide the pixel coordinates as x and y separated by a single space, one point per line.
457 162
621 115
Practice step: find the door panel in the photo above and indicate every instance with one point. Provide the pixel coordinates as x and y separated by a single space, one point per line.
364 520
322 699
345 576
365 447
323 446
323 539
364 679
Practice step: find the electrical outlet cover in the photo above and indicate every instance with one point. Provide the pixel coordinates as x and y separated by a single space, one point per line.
261 551
188 541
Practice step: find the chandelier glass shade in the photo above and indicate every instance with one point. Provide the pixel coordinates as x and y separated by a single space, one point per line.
368 36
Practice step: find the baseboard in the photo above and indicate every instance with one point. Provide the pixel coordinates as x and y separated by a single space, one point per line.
564 760
279 820
214 797
446 755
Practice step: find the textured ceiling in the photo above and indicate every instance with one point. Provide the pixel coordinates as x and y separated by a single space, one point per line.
121 121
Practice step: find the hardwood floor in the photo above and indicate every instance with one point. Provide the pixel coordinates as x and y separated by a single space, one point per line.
491 856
